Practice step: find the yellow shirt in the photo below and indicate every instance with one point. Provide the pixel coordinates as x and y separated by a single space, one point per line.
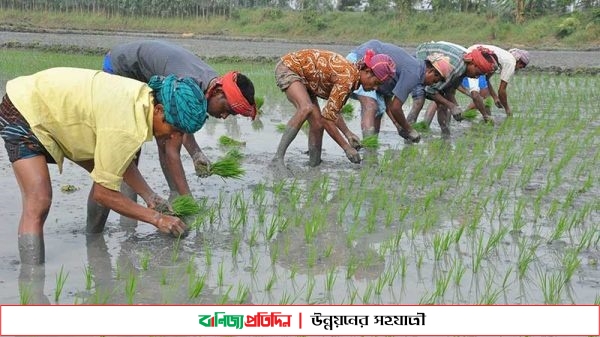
84 114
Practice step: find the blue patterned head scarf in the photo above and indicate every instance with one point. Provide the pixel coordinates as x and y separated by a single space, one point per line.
183 101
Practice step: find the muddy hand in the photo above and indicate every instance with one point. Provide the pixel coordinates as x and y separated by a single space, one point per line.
159 204
354 141
201 165
353 155
411 135
498 104
170 225
457 113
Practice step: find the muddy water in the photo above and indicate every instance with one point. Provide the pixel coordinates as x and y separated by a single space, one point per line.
345 233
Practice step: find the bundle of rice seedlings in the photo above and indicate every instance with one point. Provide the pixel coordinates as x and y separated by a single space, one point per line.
470 114
227 167
421 126
347 111
488 102
259 102
281 127
235 154
370 142
185 205
228 141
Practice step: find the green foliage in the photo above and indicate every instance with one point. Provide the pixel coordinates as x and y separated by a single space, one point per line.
567 27
370 142
185 205
340 26
228 141
347 111
421 126
227 167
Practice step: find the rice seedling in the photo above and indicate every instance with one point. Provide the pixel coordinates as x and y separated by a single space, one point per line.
130 287
207 255
347 111
225 297
228 141
61 278
570 263
367 294
310 287
163 277
220 274
196 285
185 205
271 282
470 114
235 245
280 127
421 126
259 100
370 142
88 276
441 244
330 277
526 256
175 251
145 260
242 294
286 299
25 294
552 287
227 167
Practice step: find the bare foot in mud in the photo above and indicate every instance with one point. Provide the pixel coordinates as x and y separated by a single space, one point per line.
280 170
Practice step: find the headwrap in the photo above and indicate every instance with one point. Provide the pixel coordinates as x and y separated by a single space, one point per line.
380 64
520 55
441 63
477 57
183 101
239 104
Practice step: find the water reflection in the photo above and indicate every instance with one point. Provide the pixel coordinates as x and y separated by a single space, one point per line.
32 279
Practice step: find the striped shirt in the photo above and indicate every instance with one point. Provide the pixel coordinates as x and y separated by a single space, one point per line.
328 75
454 52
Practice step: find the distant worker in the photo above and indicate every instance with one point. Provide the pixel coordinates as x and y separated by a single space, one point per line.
390 96
470 64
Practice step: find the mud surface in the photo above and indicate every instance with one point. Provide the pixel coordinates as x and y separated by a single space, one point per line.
213 46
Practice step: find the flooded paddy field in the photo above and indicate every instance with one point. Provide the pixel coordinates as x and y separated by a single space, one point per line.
496 214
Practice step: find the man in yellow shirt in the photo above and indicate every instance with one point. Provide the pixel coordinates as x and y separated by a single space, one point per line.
99 121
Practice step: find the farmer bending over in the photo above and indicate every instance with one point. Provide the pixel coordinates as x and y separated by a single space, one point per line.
470 64
508 62
99 121
307 74
230 94
410 73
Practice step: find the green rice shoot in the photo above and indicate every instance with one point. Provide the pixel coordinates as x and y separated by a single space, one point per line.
185 205
470 114
259 102
235 154
347 111
281 127
227 167
228 141
370 142
421 126
488 102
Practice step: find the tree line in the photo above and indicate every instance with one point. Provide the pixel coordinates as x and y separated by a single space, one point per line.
520 10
